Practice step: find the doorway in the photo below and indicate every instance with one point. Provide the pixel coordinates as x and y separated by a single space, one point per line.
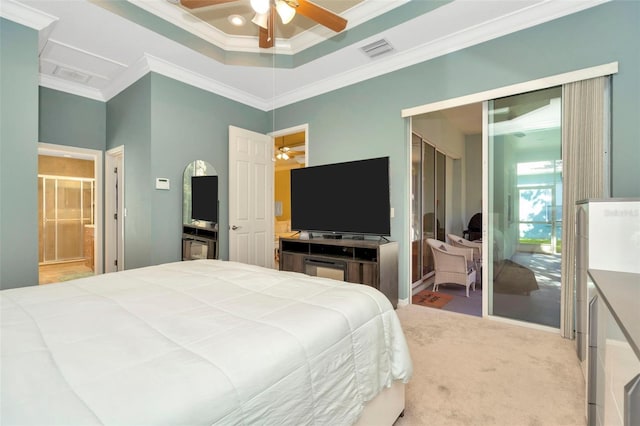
446 190
290 152
69 212
523 259
559 80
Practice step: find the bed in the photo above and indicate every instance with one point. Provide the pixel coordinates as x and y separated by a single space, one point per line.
201 342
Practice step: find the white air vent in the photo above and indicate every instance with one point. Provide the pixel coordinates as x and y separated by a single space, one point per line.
377 48
73 75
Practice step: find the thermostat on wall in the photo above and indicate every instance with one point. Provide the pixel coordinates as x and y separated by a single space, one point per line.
162 183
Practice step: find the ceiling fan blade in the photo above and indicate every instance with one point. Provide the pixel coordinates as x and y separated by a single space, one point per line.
266 38
321 15
194 4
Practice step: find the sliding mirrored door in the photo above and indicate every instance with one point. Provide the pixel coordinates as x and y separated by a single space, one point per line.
525 206
428 204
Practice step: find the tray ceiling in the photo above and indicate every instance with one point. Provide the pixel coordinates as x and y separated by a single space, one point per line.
97 48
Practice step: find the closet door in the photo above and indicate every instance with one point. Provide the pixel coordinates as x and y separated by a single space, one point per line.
416 208
425 220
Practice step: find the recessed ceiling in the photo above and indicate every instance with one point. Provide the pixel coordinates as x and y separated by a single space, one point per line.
97 48
216 16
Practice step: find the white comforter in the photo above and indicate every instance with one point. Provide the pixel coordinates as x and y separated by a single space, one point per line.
196 343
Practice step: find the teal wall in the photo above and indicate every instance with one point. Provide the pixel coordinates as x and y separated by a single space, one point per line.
363 120
165 124
72 120
189 124
18 155
129 124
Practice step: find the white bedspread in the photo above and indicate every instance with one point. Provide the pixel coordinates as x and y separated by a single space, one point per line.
196 343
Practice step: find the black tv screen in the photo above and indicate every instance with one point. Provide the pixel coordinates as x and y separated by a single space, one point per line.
204 198
342 198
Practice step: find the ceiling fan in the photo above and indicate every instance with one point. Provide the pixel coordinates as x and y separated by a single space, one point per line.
266 11
286 152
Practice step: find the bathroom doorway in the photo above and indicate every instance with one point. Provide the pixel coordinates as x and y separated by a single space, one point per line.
67 214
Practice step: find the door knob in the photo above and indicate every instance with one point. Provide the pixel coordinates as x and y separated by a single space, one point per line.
234 227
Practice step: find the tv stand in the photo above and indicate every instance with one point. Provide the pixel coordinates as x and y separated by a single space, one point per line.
369 262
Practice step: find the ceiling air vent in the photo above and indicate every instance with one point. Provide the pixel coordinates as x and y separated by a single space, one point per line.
377 48
73 75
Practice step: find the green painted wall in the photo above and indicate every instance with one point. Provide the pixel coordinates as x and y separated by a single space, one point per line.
129 124
189 124
72 120
165 124
363 120
18 155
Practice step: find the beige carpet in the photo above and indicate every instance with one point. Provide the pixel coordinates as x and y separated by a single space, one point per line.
474 371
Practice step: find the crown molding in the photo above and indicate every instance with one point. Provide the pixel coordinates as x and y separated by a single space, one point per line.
355 16
66 86
26 15
149 63
132 74
186 76
519 20
176 16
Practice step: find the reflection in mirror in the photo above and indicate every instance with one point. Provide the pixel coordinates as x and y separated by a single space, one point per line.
195 169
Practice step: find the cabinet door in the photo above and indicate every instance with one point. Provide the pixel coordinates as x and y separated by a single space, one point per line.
291 262
363 273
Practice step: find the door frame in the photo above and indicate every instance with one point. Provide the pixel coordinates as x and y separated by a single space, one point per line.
114 249
284 132
95 156
484 98
295 129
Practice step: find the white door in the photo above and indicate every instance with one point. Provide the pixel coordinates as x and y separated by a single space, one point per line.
250 197
114 210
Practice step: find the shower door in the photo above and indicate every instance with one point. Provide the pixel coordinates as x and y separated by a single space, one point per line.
66 207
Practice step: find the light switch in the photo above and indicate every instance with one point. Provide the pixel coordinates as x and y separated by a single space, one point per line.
162 183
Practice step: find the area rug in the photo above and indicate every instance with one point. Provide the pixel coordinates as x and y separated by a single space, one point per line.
431 299
514 278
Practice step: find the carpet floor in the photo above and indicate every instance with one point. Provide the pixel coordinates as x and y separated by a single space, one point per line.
481 372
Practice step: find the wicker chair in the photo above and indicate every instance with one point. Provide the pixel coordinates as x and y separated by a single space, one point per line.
457 241
453 265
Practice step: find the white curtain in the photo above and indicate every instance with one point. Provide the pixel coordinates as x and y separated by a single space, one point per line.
585 141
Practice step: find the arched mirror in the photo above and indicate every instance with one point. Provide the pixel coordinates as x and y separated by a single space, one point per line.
206 192
200 211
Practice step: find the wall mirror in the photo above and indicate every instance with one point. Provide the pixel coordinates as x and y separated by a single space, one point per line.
204 191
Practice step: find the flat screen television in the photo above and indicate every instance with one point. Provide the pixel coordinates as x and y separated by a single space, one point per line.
204 198
342 198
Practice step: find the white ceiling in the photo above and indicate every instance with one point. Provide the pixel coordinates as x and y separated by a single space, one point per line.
92 52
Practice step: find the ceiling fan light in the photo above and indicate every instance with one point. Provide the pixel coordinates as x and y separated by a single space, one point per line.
236 20
260 6
285 11
261 20
285 156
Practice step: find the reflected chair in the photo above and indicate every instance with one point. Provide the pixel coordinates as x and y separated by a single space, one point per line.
474 230
457 241
453 265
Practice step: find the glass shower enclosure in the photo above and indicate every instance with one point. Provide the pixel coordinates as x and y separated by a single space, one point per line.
66 209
